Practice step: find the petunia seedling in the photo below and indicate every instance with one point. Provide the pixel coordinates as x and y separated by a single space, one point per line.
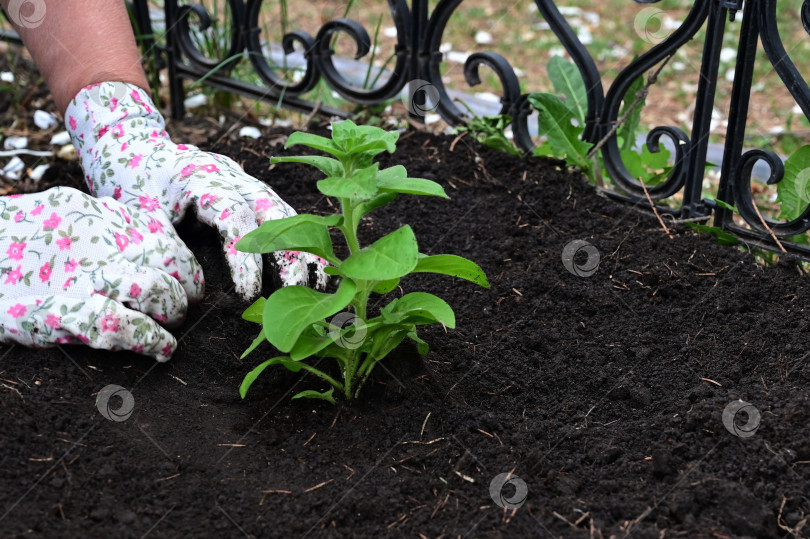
295 319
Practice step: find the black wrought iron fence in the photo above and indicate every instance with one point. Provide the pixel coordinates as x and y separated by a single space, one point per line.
417 57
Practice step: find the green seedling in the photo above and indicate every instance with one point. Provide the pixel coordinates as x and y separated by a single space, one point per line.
294 319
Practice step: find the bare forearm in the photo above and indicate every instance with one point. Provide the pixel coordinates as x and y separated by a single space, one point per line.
79 42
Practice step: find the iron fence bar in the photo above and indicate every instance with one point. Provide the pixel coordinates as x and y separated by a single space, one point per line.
418 56
737 115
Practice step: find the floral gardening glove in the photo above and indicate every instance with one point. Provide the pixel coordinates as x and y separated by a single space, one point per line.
127 154
77 269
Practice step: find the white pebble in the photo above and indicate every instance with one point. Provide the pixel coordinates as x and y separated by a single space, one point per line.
250 131
14 168
727 54
391 31
483 38
194 101
38 172
45 120
488 96
7 76
432 119
61 138
15 143
459 57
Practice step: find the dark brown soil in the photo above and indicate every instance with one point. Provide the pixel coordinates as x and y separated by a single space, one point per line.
603 393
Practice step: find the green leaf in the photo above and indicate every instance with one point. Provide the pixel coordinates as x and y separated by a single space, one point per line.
383 287
567 81
723 237
311 394
421 346
290 310
327 165
395 180
554 120
292 234
419 308
260 338
310 342
359 186
627 131
316 142
453 265
361 139
379 200
500 143
386 339
793 192
390 257
252 375
722 204
254 312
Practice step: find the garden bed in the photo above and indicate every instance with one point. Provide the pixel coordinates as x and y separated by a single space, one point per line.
604 393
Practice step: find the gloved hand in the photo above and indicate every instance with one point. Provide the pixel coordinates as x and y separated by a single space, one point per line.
127 154
77 269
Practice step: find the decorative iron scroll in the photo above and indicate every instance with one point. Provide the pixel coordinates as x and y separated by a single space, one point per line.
417 57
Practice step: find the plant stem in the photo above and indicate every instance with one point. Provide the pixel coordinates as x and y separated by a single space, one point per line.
322 375
349 227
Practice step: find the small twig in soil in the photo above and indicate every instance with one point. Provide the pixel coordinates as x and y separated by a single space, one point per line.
792 531
314 434
654 209
14 389
762 220
424 423
640 96
453 144
712 381
312 114
319 485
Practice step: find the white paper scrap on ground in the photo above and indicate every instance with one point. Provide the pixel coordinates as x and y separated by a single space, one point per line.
61 138
45 120
7 76
38 171
194 101
250 131
15 143
14 168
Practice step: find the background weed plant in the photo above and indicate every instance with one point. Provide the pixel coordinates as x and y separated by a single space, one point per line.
294 319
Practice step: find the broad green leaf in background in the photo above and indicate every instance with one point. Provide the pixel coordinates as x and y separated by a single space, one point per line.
554 120
390 257
647 165
793 192
723 237
290 310
628 130
567 81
